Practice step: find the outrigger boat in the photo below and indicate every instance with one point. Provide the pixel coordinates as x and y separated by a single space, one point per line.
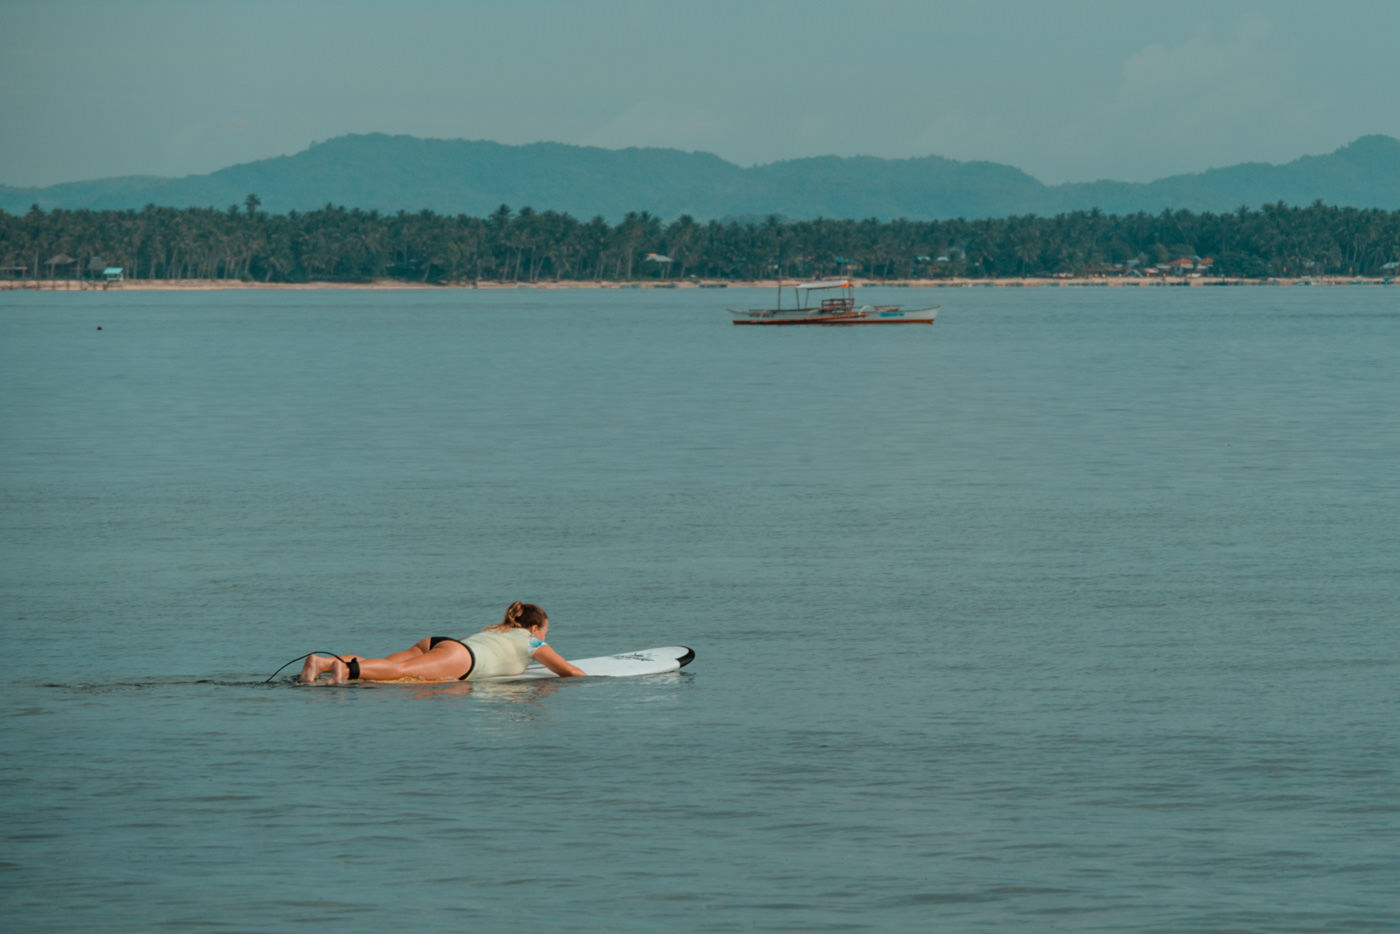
840 309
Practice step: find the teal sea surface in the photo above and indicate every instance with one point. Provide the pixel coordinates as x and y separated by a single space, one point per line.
1075 611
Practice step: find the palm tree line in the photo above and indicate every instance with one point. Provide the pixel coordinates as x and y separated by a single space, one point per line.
338 244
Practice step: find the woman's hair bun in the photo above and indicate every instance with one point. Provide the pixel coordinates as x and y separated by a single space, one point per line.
521 615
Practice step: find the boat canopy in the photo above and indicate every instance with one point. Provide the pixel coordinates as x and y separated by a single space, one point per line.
829 284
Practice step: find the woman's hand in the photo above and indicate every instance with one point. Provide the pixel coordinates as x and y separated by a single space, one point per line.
556 663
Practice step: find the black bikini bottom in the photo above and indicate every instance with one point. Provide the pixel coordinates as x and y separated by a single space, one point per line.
432 644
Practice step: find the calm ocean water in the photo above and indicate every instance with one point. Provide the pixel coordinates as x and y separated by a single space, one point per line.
1073 612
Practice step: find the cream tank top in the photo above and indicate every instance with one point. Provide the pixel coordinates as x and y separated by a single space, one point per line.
500 653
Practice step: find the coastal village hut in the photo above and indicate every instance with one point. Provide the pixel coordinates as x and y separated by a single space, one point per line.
661 260
62 259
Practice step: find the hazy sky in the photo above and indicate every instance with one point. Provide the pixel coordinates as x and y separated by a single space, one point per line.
1068 90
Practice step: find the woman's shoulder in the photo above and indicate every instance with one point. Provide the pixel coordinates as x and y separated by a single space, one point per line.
514 633
525 639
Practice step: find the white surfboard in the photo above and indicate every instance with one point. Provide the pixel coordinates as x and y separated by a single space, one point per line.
643 662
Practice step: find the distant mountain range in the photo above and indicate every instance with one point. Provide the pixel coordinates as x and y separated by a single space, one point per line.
393 173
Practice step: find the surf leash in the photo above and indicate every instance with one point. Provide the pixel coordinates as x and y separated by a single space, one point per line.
301 658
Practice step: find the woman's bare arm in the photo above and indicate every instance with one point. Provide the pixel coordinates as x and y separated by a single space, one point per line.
556 663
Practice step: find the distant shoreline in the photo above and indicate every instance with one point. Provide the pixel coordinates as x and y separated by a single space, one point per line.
214 285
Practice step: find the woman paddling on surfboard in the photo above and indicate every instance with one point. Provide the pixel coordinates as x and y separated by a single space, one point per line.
503 649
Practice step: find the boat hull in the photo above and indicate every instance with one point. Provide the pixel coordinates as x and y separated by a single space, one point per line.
868 315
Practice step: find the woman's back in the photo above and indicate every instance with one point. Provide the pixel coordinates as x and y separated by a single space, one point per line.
501 653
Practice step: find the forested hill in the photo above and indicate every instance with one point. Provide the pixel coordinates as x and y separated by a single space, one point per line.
404 173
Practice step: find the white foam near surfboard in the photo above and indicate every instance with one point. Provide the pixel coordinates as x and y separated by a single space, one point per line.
627 664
